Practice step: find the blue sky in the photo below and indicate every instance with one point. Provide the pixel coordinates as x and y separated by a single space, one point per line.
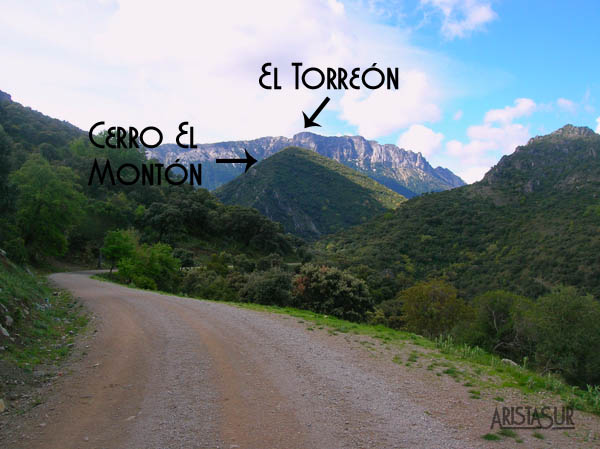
478 77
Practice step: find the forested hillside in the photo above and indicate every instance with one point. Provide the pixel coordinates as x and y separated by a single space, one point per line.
50 211
532 223
309 194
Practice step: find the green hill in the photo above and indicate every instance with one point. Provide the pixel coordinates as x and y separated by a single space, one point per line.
532 223
48 211
308 193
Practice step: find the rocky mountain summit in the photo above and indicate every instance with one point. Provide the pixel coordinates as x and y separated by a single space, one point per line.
565 159
403 171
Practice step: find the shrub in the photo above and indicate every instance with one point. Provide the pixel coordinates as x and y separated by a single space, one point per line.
243 264
271 287
218 264
208 284
185 256
152 266
389 313
118 245
432 308
273 260
494 328
332 291
15 249
565 327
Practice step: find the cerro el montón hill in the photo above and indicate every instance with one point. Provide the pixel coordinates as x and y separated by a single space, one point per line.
309 194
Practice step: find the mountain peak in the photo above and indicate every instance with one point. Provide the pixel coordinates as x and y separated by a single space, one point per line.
566 132
564 160
573 131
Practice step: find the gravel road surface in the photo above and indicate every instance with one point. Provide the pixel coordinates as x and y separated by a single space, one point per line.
168 372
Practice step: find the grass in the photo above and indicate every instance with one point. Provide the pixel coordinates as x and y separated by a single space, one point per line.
45 323
520 378
413 357
491 437
487 369
508 433
475 394
538 435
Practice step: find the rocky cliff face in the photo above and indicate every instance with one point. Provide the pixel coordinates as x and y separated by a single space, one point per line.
403 171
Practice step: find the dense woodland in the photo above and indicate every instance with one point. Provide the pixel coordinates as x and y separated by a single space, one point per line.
510 264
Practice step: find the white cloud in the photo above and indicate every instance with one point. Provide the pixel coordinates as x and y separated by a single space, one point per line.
497 136
382 112
421 139
522 107
566 104
598 125
139 62
458 115
461 17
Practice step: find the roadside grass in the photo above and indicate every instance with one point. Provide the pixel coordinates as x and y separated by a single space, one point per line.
478 366
491 437
506 433
50 336
45 321
509 433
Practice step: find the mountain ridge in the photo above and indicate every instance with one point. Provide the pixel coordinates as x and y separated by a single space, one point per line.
404 171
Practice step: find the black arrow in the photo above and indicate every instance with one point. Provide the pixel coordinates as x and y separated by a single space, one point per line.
249 161
308 122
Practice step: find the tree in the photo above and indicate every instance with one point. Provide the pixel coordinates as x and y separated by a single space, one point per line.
118 245
330 290
152 267
48 206
271 287
565 327
494 325
432 308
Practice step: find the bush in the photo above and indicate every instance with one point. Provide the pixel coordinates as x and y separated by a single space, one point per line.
15 249
271 287
218 264
332 291
185 256
118 245
432 308
209 284
565 327
494 325
151 267
243 264
273 260
389 313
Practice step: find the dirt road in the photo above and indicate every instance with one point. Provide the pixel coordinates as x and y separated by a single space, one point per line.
169 372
